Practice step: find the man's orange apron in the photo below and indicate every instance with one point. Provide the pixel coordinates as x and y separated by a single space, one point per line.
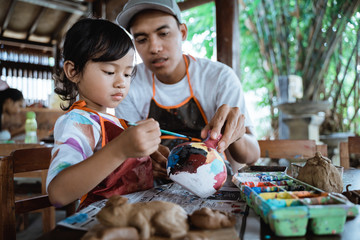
187 118
134 174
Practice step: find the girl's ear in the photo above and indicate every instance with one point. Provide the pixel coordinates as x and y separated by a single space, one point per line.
70 71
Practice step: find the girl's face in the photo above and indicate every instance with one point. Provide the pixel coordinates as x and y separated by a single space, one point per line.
105 84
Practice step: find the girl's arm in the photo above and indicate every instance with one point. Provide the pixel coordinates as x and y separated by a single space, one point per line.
77 180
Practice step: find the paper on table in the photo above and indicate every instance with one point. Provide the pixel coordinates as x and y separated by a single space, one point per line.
224 200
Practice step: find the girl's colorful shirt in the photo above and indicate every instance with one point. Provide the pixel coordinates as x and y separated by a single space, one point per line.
78 136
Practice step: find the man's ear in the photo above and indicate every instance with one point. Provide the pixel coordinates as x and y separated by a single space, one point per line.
70 71
184 31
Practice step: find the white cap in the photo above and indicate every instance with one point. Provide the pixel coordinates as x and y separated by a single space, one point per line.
133 7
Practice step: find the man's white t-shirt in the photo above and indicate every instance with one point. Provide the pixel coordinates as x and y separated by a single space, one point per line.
213 84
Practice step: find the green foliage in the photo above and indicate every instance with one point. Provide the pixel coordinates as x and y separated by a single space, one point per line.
342 85
286 35
285 29
201 27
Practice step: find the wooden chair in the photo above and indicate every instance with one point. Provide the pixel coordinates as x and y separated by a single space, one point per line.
290 149
21 161
7 148
347 149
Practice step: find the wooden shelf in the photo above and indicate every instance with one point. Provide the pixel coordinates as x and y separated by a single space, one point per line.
28 66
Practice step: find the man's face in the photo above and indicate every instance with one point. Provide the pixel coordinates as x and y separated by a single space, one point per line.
158 40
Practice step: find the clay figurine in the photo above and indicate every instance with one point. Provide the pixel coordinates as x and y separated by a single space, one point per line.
149 218
206 218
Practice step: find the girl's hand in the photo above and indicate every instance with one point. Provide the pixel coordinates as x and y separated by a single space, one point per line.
159 159
141 140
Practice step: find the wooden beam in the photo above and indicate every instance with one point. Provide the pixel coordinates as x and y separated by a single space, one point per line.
35 23
66 6
227 33
25 44
9 13
56 34
192 3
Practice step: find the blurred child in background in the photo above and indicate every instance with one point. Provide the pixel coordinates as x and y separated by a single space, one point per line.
11 102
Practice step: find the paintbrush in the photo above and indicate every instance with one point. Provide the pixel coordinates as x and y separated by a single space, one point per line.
166 132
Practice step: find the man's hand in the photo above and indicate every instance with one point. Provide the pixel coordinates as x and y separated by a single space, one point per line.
159 159
229 122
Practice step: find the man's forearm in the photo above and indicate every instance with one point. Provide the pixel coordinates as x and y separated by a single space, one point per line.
245 150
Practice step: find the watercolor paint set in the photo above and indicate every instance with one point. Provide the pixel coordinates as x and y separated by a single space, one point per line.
292 207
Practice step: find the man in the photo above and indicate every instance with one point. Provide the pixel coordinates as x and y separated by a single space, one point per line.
190 96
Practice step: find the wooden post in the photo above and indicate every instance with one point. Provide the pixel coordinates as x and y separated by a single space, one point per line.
227 33
99 9
344 155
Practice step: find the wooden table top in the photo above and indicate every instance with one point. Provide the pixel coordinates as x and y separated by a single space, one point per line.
352 176
252 226
61 233
255 228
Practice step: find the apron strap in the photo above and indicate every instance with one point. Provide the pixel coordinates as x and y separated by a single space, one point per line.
82 106
188 75
191 90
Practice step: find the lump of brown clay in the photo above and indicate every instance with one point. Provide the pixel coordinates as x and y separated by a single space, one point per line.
149 218
206 218
319 172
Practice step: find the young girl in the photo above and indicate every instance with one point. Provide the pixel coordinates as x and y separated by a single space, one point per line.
95 154
11 101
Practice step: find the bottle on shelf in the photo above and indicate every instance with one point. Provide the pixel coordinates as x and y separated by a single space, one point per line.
31 128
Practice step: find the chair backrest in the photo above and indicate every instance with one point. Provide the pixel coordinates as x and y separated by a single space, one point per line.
347 149
290 149
7 148
20 161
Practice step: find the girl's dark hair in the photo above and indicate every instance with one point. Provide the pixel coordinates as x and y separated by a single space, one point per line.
90 39
11 93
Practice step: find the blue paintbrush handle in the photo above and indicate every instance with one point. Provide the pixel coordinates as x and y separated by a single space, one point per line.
173 134
165 132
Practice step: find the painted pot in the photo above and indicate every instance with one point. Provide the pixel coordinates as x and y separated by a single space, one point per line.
198 167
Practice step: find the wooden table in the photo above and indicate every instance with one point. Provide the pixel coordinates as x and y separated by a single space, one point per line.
252 226
255 228
226 198
352 176
62 233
